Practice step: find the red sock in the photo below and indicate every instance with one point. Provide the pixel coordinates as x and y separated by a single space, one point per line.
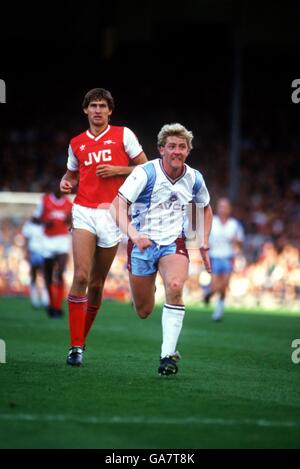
77 317
57 295
51 293
92 311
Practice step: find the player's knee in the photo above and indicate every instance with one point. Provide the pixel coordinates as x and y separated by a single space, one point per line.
95 287
80 279
174 287
143 311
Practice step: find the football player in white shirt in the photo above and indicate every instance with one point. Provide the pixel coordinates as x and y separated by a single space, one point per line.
226 235
160 192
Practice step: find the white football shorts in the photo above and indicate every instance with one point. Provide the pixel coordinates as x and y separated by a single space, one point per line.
55 245
99 222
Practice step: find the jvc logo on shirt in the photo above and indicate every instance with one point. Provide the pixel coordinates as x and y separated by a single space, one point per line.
97 157
57 215
2 91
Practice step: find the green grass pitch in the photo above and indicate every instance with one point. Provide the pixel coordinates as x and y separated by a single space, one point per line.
236 388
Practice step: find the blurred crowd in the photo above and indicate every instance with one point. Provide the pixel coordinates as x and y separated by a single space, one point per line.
272 280
267 270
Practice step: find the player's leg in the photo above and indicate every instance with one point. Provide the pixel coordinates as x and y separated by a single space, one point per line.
48 275
143 293
221 287
84 246
174 271
58 287
43 292
48 272
102 261
142 269
216 266
108 238
216 282
34 297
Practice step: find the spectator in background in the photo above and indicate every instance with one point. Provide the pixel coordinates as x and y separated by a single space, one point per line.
226 236
34 246
54 212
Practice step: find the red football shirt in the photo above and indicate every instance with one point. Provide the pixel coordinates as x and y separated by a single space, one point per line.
114 146
55 211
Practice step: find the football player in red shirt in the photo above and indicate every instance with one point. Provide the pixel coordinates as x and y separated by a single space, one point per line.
54 212
99 160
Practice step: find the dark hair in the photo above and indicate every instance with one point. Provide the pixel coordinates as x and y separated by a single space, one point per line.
96 94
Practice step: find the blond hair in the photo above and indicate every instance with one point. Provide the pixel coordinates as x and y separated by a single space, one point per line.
176 130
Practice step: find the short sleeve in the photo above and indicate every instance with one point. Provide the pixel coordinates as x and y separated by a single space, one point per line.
26 230
134 184
200 192
38 211
72 163
131 144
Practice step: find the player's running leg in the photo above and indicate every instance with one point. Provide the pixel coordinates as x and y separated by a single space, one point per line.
143 293
174 271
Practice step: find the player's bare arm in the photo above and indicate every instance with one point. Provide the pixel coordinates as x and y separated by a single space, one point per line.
69 181
119 212
108 170
208 216
237 244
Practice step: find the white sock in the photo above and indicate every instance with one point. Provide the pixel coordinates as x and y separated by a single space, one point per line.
44 297
172 318
219 309
34 297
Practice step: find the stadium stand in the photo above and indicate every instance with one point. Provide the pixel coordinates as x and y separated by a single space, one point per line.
266 273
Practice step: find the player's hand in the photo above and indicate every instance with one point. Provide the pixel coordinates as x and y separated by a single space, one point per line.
65 186
107 170
205 257
142 242
48 224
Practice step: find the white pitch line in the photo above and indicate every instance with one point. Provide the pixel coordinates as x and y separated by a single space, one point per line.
147 420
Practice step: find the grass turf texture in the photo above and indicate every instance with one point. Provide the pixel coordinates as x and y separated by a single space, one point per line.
236 387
